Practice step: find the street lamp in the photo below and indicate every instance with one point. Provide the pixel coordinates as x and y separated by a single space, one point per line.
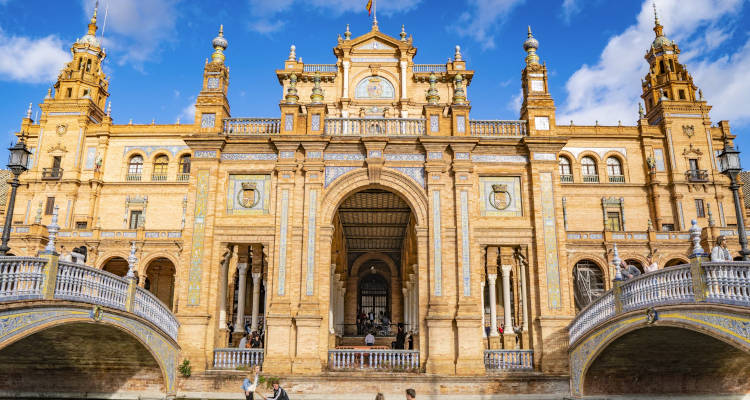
729 165
17 162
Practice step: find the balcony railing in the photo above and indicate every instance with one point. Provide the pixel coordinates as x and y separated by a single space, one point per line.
159 177
233 358
508 360
591 178
566 178
725 283
133 177
498 128
617 179
430 68
375 126
52 174
696 175
21 278
379 360
320 68
183 177
252 126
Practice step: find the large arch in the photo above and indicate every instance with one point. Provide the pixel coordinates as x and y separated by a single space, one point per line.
722 323
160 273
116 265
42 326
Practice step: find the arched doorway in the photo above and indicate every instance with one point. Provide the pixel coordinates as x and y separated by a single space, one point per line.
160 275
117 266
373 299
588 284
675 262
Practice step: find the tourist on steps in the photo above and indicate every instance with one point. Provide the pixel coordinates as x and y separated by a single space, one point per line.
379 396
278 393
411 394
249 387
369 339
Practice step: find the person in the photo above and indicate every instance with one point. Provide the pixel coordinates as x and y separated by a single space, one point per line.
629 271
411 394
255 340
400 338
720 252
369 339
487 329
500 329
243 342
652 265
278 393
249 387
230 329
379 396
64 255
411 340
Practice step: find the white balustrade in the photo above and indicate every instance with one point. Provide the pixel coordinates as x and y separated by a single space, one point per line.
231 358
375 126
252 126
498 128
320 68
599 310
149 307
383 360
666 286
430 68
78 282
728 283
21 278
508 360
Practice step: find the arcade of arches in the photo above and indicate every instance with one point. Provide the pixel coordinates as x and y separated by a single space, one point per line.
158 276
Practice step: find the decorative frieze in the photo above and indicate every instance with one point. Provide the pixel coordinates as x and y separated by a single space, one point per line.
248 156
332 173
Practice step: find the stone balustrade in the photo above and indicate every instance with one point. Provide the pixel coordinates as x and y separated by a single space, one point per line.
498 128
375 126
508 360
371 359
29 278
628 236
252 126
233 358
723 283
96 234
430 68
320 68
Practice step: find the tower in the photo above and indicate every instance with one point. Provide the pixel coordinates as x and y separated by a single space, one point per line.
212 106
538 107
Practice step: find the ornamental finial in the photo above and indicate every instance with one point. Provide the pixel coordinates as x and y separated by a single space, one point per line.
457 56
347 34
616 261
432 94
291 93
317 93
219 44
656 14
28 112
109 109
49 93
403 33
459 94
132 262
530 46
695 237
292 53
641 114
52 228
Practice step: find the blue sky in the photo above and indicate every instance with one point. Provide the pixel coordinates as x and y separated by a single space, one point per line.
593 48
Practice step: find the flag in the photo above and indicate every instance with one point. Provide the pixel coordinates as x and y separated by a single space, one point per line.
369 7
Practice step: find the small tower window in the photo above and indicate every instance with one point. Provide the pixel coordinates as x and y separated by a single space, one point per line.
88 66
69 93
682 94
566 175
661 67
161 164
588 170
671 65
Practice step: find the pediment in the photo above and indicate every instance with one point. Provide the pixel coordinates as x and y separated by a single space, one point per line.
374 44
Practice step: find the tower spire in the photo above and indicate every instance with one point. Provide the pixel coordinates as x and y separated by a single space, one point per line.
531 45
92 23
220 44
658 29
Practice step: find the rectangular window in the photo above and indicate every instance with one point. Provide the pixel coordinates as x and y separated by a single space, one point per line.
56 162
82 224
613 221
667 227
700 210
135 219
69 93
50 207
682 94
693 164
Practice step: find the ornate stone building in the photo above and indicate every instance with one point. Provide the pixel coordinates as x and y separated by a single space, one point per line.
373 190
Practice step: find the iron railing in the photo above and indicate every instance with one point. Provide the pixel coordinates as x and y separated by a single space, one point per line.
52 174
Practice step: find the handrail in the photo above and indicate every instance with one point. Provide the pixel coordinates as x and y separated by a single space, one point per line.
78 282
252 126
21 278
375 126
148 306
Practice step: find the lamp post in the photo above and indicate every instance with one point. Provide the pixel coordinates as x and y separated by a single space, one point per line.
729 165
17 162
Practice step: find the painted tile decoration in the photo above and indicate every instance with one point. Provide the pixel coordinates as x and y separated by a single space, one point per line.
283 232
315 122
344 157
404 157
600 151
461 123
375 154
314 154
208 120
514 198
465 264
148 150
199 229
234 193
499 159
90 157
205 154
462 156
434 123
311 240
549 224
288 122
332 173
437 243
416 173
286 154
659 158
248 156
545 157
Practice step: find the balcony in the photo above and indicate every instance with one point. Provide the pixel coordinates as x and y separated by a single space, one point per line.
252 126
429 68
158 177
591 178
133 177
183 177
320 68
617 179
696 175
375 126
52 174
566 178
498 128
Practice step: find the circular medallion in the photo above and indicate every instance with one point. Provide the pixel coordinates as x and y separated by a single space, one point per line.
248 197
61 129
499 197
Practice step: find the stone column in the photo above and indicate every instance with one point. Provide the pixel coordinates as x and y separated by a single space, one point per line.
223 283
333 303
491 278
481 307
414 302
342 291
506 298
242 283
524 307
256 301
345 94
407 301
403 79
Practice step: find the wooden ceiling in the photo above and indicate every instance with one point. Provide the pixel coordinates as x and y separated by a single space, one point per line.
374 221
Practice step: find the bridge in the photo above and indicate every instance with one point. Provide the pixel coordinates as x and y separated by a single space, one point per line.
680 330
74 329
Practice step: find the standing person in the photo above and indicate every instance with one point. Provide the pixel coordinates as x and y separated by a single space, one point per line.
278 393
411 394
369 339
379 396
243 342
411 340
400 337
720 252
249 387
652 265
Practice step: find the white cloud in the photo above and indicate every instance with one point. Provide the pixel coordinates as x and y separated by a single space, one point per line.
187 114
266 19
570 8
31 60
483 18
135 29
609 90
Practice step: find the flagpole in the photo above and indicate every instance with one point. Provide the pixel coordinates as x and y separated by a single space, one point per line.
375 13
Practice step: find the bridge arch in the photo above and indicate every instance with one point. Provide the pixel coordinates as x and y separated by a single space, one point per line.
715 326
39 325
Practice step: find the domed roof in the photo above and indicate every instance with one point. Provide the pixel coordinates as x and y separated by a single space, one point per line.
530 42
219 41
661 41
90 40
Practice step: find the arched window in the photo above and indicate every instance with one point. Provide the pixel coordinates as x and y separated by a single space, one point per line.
374 87
588 170
635 263
566 174
614 170
183 174
135 168
588 283
161 164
